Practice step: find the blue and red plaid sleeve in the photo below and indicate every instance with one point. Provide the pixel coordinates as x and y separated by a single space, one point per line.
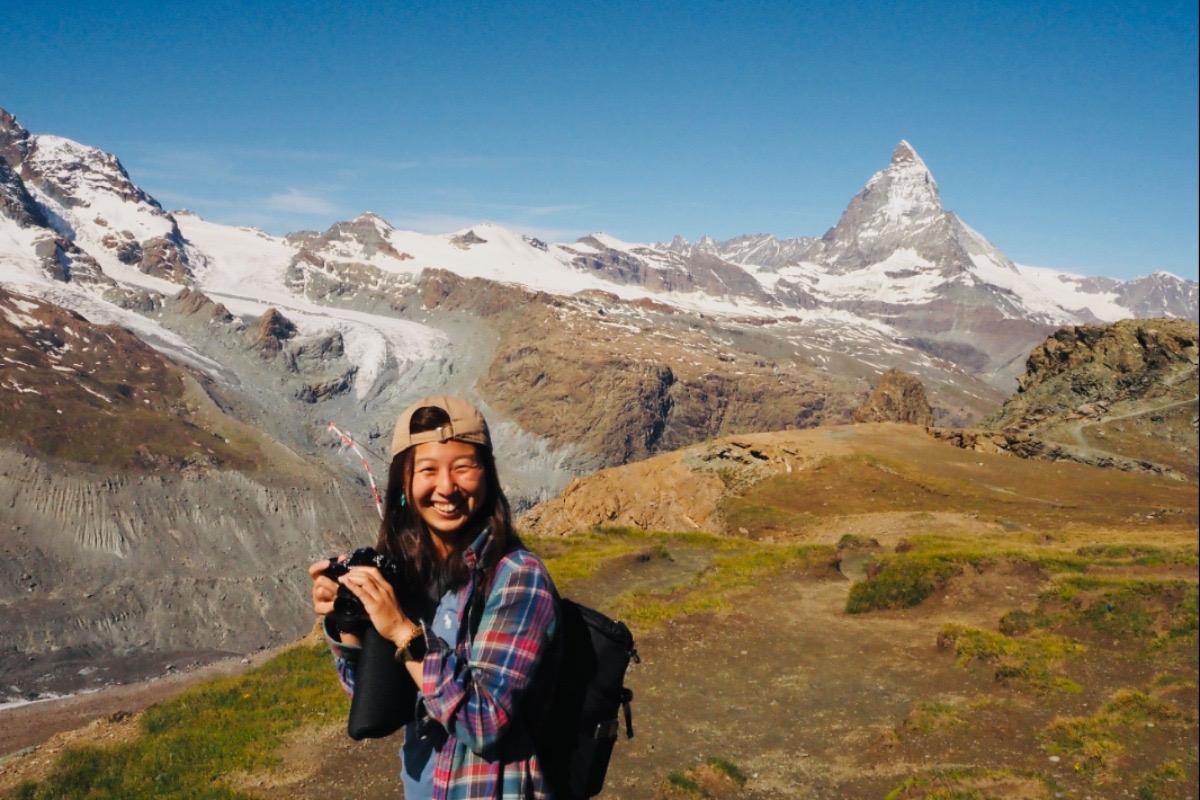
475 700
345 656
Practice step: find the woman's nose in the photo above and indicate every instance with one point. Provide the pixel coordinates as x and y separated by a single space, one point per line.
445 483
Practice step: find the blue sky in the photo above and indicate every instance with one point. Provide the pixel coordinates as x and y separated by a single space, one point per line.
1065 132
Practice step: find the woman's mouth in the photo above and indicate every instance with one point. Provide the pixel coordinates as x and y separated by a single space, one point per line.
446 509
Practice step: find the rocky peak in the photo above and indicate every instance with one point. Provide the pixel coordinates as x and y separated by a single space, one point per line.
16 202
1159 294
193 301
269 333
368 232
1112 393
14 140
678 244
899 207
8 122
904 152
70 171
464 241
905 191
896 397
370 221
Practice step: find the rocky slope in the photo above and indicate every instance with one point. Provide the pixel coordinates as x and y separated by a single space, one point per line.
818 484
141 522
1123 395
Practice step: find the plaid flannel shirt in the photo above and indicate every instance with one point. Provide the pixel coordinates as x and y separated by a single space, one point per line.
473 686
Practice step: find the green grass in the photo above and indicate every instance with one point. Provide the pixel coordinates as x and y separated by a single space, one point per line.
728 769
1029 660
936 715
190 743
1155 784
681 783
906 579
1140 555
575 558
716 777
757 518
1119 607
971 783
712 590
737 564
1095 743
902 581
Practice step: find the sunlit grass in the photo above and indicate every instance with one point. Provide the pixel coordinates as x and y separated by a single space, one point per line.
1032 660
713 590
1095 743
189 743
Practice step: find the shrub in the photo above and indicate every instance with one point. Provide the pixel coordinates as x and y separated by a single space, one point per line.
902 581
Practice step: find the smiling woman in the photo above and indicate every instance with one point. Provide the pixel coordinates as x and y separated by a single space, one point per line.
479 615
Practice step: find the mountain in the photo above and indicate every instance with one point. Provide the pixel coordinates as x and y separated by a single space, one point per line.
583 355
88 198
136 503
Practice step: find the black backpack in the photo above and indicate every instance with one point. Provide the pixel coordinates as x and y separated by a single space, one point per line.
580 719
578 696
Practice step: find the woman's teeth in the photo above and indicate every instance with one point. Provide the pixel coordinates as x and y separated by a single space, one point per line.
445 508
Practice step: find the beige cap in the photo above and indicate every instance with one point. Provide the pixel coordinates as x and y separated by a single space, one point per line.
466 424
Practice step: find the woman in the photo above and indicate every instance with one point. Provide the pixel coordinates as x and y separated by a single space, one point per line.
493 618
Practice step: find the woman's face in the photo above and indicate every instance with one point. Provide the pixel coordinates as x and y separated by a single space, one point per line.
448 486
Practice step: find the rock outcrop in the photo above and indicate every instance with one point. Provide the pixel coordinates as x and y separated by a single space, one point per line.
1081 366
270 332
1122 395
896 397
579 374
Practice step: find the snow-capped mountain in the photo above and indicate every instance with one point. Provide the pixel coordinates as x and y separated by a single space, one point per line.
897 268
583 354
87 198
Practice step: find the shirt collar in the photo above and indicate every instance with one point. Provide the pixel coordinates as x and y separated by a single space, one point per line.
477 550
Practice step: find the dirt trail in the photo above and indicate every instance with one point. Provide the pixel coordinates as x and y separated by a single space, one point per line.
788 686
1075 429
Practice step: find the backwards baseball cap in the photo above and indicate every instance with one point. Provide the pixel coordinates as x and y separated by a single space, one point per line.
466 424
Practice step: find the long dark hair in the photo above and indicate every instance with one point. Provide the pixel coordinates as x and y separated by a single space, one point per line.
404 536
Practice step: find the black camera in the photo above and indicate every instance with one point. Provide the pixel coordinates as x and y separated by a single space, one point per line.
348 612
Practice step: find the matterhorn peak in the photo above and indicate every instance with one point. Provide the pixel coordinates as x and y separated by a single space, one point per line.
905 189
905 153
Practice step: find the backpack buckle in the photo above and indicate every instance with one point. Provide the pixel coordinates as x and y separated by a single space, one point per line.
606 730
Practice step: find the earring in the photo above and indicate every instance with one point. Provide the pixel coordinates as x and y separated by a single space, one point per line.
403 501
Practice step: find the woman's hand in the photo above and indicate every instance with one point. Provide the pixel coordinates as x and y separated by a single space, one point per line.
377 597
324 590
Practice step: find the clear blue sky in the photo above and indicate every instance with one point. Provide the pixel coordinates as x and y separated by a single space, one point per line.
1065 132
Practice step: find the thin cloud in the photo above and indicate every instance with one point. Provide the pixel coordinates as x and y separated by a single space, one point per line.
295 201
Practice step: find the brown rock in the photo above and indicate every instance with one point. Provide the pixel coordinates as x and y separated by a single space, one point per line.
897 397
269 333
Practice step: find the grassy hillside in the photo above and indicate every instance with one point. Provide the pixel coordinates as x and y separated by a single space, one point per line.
892 617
